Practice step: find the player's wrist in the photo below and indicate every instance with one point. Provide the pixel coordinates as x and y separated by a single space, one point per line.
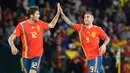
62 14
57 14
13 47
104 45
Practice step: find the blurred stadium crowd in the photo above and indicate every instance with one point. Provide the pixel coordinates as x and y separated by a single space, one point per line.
62 49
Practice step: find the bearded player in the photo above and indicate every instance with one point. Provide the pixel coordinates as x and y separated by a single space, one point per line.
90 35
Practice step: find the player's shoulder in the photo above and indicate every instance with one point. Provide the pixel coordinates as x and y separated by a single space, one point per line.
95 26
41 22
78 25
23 22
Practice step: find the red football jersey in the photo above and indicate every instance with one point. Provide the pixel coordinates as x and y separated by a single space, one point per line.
90 39
31 37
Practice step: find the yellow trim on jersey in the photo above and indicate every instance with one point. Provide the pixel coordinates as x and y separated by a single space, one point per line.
23 67
81 40
96 64
25 41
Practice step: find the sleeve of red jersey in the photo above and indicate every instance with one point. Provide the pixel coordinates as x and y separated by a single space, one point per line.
18 30
45 25
102 34
77 27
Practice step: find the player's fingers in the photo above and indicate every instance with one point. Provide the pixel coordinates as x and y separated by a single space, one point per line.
15 52
12 52
58 8
101 50
104 51
58 4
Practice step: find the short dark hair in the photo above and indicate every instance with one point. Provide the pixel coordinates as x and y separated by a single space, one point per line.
89 13
31 10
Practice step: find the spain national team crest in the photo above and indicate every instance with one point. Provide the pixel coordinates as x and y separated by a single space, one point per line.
93 34
38 28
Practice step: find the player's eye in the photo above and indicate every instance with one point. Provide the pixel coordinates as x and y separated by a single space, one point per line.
87 17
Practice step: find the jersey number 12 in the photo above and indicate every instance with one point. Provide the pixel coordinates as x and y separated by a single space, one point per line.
34 34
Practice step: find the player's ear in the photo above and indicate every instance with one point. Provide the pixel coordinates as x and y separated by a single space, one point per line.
31 16
92 18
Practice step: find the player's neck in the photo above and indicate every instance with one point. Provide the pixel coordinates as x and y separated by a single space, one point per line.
30 21
89 26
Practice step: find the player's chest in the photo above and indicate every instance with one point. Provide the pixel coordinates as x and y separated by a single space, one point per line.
32 30
90 35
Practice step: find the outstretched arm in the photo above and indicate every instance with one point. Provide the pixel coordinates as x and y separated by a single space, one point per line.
55 19
65 18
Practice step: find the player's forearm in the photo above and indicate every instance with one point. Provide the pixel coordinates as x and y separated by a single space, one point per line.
106 41
54 21
67 20
11 41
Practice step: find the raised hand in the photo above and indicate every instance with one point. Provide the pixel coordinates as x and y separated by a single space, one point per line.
55 19
60 9
64 17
